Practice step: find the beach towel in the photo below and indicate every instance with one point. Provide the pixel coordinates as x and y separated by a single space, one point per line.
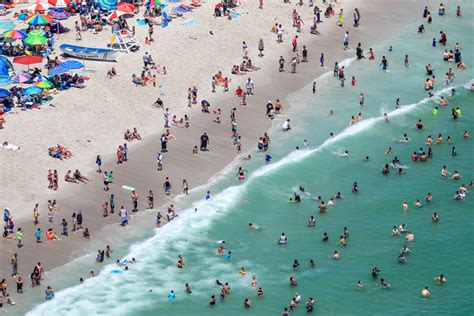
190 22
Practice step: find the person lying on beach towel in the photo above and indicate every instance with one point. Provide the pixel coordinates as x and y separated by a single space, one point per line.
137 81
11 147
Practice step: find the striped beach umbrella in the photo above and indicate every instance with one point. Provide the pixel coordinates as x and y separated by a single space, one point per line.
59 14
115 15
23 16
36 40
153 3
39 19
38 7
16 34
59 3
108 4
20 77
44 84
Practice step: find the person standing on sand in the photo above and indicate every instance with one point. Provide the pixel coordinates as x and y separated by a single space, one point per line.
79 220
281 62
14 264
150 198
204 142
134 198
249 85
261 47
98 161
346 40
19 237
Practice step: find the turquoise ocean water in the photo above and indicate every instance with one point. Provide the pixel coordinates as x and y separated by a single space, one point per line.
445 247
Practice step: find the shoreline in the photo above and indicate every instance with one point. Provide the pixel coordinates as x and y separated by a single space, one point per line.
140 165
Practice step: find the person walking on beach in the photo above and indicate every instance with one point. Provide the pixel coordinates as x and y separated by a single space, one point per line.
14 264
112 204
356 16
204 142
134 198
346 40
36 215
281 63
249 85
150 199
167 186
79 220
19 237
98 161
261 47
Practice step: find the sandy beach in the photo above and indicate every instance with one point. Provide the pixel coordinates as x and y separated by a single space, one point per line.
91 121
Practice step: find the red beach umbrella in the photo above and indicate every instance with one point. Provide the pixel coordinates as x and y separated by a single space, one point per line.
59 3
125 7
28 60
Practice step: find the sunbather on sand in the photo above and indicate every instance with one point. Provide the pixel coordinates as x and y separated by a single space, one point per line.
68 177
79 177
65 152
11 147
128 135
136 135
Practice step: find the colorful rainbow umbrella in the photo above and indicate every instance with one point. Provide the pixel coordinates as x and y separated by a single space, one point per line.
36 40
59 14
59 3
108 4
23 16
126 7
39 7
39 19
44 84
153 3
16 34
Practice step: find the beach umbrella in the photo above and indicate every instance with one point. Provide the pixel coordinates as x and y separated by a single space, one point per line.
16 34
28 60
115 15
23 16
59 3
6 25
153 3
126 7
20 77
36 40
108 4
39 78
4 93
32 90
59 14
39 19
37 32
44 84
58 70
72 64
38 7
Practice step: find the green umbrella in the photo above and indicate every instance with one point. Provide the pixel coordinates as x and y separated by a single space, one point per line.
36 40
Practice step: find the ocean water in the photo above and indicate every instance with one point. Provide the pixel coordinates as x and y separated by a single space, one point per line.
442 248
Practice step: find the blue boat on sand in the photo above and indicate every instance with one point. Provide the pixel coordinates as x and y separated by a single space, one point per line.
81 52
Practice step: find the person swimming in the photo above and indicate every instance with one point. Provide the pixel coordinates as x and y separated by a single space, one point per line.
311 221
283 239
355 188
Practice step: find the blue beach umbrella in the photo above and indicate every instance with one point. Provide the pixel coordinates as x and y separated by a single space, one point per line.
32 90
108 4
4 93
58 70
72 64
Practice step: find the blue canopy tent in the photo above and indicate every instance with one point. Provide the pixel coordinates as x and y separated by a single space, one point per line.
5 65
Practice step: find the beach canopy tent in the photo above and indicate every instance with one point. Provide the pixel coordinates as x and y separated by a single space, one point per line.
72 64
59 3
108 5
32 90
28 60
5 66
4 93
